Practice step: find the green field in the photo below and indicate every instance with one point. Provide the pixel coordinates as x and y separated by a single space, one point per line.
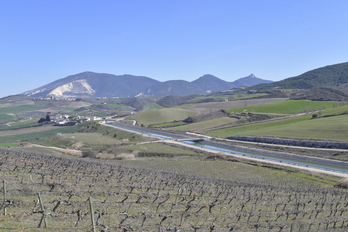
204 125
158 116
300 127
287 107
33 137
18 109
8 114
151 106
229 97
6 117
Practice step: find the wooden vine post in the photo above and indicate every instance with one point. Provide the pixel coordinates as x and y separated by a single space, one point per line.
4 191
43 212
92 213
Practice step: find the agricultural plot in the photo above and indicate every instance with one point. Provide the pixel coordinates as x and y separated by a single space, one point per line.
33 134
52 192
204 108
161 115
286 107
301 127
205 125
228 97
18 109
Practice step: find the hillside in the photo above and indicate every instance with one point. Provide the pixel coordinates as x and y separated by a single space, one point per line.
331 75
90 84
325 94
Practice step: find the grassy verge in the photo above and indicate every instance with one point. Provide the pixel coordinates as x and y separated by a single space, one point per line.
236 171
159 150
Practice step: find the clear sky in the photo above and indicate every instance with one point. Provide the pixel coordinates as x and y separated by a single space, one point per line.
42 41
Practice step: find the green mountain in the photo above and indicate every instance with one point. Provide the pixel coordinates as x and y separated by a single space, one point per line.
331 75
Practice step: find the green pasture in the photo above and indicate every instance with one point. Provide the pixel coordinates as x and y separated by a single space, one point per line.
287 107
157 116
18 109
6 117
21 124
301 127
152 106
205 124
9 113
9 145
334 111
229 97
36 136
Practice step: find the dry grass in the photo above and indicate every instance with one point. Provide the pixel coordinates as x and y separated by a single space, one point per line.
121 156
343 183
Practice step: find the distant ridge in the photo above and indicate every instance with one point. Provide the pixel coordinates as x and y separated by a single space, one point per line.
331 75
90 85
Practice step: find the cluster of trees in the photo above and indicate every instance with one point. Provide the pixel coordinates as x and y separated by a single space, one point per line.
46 119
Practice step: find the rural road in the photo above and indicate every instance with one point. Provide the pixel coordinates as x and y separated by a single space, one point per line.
313 164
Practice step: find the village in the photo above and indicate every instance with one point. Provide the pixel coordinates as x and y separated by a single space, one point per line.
67 120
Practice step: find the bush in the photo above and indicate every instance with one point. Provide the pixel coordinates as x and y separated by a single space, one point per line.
88 154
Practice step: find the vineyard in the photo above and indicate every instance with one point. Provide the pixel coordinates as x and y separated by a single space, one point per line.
47 192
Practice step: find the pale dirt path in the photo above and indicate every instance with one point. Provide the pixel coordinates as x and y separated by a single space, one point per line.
64 150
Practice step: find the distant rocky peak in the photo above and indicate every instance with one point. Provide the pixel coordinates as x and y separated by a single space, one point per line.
251 76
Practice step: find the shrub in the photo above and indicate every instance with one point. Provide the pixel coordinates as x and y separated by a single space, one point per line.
88 154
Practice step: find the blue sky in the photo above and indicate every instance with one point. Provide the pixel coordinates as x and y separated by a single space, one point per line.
42 41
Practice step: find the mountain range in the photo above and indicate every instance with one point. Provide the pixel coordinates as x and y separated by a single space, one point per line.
90 84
